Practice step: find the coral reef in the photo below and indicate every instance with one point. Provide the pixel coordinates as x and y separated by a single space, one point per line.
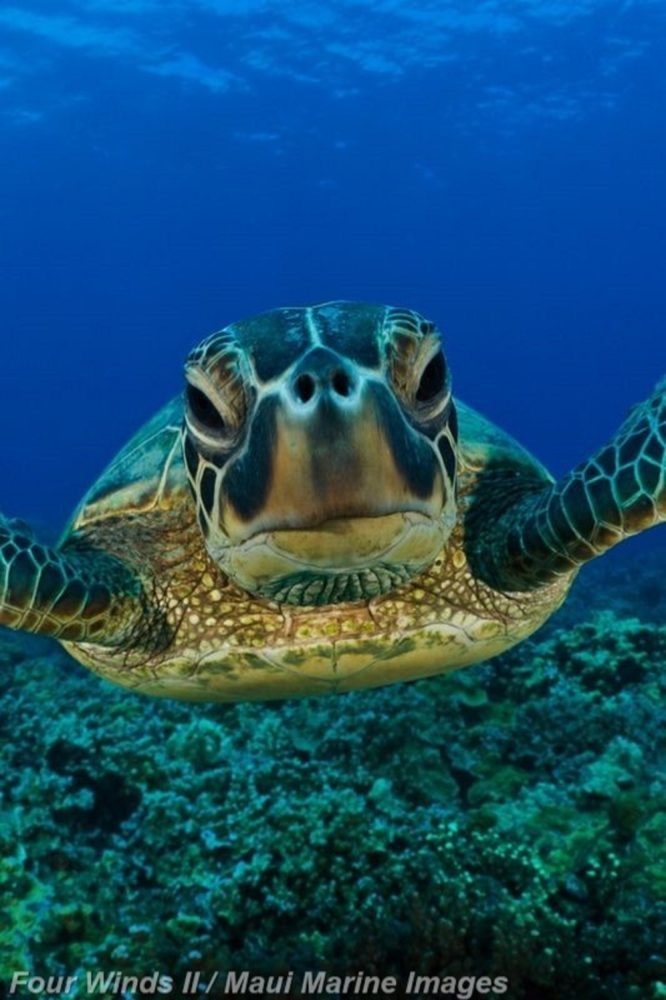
507 820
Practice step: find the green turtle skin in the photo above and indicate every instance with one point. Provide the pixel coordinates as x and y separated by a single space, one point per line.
317 513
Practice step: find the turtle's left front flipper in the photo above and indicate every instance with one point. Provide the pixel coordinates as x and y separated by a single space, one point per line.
523 540
74 592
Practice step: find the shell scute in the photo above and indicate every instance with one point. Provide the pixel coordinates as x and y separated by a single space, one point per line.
146 473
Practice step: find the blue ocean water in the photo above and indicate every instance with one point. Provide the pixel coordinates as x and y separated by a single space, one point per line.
170 166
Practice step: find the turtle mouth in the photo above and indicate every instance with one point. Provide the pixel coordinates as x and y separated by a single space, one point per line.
348 558
346 522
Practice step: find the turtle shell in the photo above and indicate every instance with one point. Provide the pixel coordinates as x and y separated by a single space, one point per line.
146 473
482 443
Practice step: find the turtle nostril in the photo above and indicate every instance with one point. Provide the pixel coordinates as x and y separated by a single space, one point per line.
304 387
341 383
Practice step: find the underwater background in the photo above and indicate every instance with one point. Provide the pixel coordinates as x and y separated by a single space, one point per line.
169 166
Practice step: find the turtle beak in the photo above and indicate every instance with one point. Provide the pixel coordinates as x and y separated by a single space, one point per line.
331 444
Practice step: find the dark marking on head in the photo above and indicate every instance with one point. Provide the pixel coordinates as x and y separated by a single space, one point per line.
208 489
453 421
191 457
448 456
217 458
248 479
412 454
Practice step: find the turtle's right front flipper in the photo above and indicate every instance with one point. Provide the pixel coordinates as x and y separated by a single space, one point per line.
528 536
76 592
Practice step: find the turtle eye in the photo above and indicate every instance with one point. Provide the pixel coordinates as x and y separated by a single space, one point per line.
433 379
204 411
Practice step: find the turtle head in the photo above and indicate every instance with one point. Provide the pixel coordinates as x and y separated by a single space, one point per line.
320 445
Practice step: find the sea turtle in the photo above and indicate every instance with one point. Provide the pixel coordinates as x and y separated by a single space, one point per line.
316 514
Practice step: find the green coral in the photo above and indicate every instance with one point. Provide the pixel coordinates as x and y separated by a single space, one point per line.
508 820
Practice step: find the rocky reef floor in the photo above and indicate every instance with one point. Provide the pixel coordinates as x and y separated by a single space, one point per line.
509 820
